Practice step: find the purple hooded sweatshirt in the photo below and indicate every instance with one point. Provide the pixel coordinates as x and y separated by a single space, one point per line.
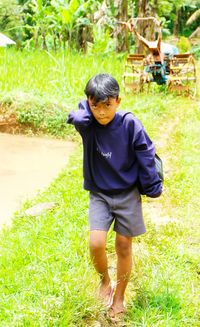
116 155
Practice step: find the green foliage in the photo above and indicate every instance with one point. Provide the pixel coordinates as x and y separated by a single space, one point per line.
40 115
11 19
57 24
196 51
165 8
36 114
68 13
33 116
54 24
184 44
103 43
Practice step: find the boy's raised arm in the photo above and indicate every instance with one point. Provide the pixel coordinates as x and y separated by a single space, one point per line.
81 118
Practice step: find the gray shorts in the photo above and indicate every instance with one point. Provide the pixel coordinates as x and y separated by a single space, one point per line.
125 209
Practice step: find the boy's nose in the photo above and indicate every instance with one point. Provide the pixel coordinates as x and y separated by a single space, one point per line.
101 112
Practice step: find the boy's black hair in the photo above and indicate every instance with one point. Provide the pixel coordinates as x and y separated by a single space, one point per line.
101 87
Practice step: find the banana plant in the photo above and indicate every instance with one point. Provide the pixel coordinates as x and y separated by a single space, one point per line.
39 21
72 15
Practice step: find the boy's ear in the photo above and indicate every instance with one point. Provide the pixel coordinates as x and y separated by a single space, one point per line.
118 100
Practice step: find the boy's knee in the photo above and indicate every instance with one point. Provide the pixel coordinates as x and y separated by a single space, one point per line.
124 248
97 245
97 242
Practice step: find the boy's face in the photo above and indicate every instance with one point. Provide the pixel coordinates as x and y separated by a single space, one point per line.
104 111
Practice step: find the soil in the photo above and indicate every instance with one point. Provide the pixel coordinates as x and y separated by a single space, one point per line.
8 121
27 165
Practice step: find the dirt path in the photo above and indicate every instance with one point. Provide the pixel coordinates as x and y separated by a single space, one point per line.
27 164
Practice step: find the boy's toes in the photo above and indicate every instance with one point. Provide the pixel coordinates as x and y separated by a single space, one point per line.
116 315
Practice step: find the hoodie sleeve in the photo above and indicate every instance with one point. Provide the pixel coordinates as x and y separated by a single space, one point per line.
81 118
147 175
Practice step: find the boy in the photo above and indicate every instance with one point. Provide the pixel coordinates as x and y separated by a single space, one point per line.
117 153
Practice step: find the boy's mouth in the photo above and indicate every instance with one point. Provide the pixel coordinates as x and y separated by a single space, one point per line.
102 120
102 117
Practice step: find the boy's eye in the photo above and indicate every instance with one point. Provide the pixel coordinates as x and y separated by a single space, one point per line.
96 107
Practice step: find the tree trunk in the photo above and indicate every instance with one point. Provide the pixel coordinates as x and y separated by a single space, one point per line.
141 25
84 35
146 28
54 41
121 33
177 22
36 37
44 44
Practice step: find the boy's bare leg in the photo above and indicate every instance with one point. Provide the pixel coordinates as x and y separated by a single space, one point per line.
99 259
124 264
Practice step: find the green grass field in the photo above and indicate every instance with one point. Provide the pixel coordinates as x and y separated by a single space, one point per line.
46 278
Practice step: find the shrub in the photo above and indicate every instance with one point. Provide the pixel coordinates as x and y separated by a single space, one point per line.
184 44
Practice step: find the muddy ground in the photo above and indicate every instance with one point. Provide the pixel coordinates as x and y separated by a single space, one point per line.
27 165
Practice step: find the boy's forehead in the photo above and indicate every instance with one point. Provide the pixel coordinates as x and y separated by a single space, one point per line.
107 99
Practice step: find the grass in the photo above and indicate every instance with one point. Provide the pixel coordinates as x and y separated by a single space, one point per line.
62 76
40 88
46 278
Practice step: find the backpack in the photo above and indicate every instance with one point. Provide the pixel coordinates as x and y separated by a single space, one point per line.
159 168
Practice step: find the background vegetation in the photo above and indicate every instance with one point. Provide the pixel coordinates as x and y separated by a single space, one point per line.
89 25
38 88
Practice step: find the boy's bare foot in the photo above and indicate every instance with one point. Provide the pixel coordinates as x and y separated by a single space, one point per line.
106 292
116 312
